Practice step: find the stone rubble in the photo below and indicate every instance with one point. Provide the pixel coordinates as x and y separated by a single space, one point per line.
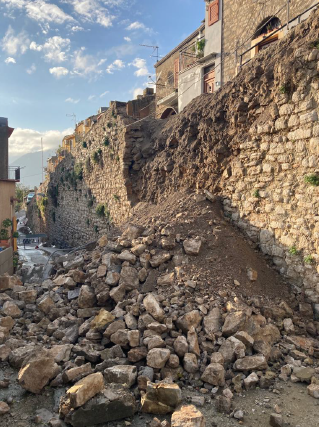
119 349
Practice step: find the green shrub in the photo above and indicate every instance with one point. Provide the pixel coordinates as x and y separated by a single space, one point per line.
96 156
106 141
96 229
90 203
283 89
4 234
312 179
84 144
78 171
6 223
256 194
116 197
15 234
309 259
293 250
100 210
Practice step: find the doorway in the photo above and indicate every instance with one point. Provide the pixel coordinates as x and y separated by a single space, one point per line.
209 79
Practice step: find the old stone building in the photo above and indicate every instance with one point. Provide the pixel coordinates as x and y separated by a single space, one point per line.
232 33
167 74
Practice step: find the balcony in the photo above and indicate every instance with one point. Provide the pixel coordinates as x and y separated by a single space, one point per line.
14 173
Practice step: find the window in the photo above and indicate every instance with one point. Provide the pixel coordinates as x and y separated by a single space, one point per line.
213 12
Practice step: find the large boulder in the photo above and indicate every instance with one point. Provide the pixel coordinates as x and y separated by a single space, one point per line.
161 398
113 403
125 375
188 416
214 374
85 389
37 371
157 357
189 320
251 363
153 308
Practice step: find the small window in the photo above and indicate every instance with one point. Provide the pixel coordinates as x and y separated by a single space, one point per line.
213 12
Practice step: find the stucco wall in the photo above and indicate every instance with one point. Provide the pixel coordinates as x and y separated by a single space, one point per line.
6 261
7 190
213 37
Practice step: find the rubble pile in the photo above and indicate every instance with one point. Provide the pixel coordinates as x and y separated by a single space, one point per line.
127 326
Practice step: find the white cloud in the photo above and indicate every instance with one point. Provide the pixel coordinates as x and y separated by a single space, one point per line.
13 43
40 10
77 28
137 91
116 65
91 97
92 11
72 101
134 26
127 39
18 4
59 72
55 48
141 66
85 65
24 141
10 60
32 69
35 46
104 93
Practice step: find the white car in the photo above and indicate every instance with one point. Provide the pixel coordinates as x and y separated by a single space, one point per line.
30 197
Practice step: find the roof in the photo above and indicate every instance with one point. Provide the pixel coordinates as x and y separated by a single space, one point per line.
178 47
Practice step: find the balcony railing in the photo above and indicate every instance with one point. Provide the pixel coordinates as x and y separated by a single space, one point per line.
14 173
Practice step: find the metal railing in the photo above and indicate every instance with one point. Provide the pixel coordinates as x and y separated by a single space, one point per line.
297 18
14 173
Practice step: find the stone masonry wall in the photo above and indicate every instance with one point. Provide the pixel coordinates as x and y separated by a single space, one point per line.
255 143
93 177
241 18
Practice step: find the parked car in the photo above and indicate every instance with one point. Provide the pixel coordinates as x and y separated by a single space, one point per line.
30 197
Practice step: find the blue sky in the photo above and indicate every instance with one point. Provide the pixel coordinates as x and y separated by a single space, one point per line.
74 56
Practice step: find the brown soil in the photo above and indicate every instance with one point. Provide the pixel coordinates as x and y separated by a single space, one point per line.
225 255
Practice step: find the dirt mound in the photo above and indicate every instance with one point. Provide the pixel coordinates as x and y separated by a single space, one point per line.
226 256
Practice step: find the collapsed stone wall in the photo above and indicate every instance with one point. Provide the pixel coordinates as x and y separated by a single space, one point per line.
255 143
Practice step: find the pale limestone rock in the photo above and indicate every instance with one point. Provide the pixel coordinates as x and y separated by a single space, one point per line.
102 319
188 416
153 308
251 363
125 374
192 246
85 389
214 374
37 371
157 357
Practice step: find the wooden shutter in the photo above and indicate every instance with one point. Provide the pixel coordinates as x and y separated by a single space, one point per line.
213 12
176 71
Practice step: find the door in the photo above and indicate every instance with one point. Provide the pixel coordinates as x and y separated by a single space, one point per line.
209 79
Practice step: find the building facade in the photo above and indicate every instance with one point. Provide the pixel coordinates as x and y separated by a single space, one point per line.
8 179
233 32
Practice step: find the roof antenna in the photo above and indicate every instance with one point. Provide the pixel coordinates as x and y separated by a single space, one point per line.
155 51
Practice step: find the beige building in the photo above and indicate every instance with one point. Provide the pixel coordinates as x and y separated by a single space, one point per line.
8 178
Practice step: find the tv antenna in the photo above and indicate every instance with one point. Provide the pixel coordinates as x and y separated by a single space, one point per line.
155 51
73 117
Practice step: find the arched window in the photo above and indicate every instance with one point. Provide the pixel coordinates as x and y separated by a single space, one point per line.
168 113
267 26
